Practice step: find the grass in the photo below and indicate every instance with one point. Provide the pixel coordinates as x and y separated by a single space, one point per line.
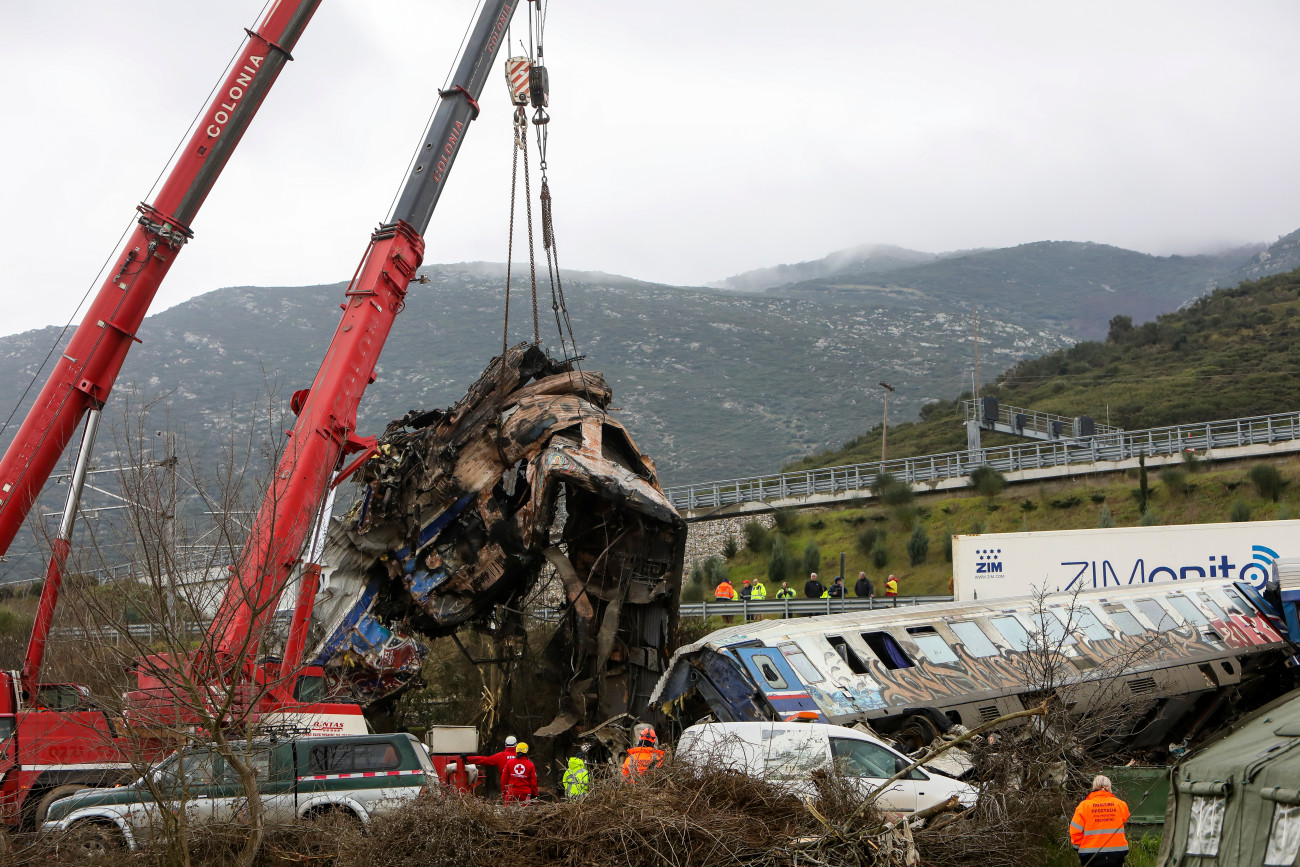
1070 504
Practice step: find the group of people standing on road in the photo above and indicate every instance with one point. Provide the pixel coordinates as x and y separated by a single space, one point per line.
863 589
756 590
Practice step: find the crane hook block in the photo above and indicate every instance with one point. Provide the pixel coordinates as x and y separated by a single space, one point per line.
539 86
519 79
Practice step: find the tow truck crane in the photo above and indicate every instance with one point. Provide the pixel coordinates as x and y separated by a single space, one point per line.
296 502
277 691
51 740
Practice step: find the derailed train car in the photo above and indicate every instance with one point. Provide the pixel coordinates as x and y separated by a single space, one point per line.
1174 654
459 514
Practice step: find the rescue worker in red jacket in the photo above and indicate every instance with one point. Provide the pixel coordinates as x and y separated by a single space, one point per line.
519 779
1097 829
642 757
506 763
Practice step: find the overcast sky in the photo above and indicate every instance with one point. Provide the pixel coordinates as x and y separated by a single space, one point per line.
691 139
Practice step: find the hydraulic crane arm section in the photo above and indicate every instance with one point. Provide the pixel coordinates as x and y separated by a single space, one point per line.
85 374
327 418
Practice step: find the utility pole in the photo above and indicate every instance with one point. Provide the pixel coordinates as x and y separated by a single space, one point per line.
884 432
976 389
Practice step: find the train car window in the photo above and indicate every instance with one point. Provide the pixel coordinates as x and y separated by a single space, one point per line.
977 644
1188 609
1212 605
800 664
1157 614
1239 605
848 654
1013 631
932 644
767 668
1082 619
1052 630
1124 619
887 649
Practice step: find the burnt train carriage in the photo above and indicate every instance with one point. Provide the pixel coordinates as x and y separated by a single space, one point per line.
1179 652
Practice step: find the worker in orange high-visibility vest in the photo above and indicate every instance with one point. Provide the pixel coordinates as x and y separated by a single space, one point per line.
1097 829
642 757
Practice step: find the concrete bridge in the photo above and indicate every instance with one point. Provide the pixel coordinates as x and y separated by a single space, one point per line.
1226 440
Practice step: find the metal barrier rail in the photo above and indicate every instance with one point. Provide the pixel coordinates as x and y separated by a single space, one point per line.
801 607
857 479
138 632
1034 421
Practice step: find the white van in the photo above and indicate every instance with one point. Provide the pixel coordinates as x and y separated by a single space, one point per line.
786 753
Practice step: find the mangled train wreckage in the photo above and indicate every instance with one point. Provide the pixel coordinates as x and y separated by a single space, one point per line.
1174 658
458 515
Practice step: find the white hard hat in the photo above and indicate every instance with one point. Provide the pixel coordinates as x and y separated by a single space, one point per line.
510 741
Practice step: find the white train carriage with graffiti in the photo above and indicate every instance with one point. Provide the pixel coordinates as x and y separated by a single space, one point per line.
1180 652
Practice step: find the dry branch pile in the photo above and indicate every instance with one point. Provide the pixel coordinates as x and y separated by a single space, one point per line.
678 815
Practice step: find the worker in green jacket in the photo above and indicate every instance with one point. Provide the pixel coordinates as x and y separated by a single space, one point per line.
759 592
576 780
786 591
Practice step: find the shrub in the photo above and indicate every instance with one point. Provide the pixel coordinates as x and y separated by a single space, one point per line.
697 573
778 566
947 543
988 482
1149 518
1267 481
867 538
892 491
905 515
1066 502
1240 511
1028 505
1191 461
757 538
693 592
715 570
812 557
854 520
729 548
818 524
1105 520
1175 481
879 554
1097 498
918 545
785 520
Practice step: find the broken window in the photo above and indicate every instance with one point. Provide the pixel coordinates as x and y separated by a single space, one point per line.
977 644
1188 609
1238 604
1014 632
848 654
1205 825
887 649
1157 614
932 644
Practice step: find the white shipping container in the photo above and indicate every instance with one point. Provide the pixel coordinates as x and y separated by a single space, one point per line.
1000 565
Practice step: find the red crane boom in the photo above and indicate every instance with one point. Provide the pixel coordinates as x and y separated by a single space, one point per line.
327 412
88 368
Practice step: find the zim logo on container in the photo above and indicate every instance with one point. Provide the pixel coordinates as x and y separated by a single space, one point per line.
988 561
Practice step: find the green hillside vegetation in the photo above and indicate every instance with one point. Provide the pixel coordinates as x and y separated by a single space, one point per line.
1231 353
1193 493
